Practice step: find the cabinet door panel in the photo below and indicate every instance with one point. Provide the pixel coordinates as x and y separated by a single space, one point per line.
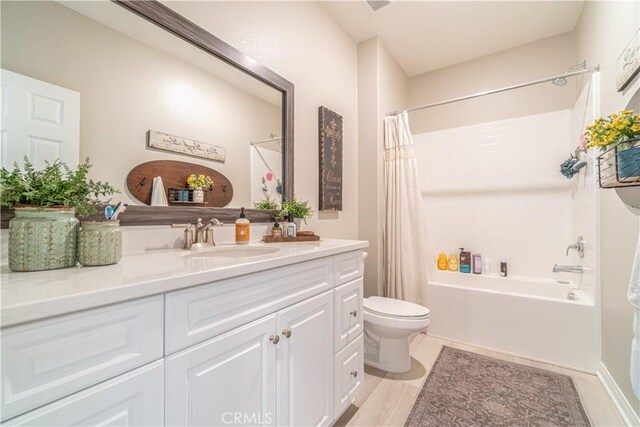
230 379
131 399
305 362
348 370
347 307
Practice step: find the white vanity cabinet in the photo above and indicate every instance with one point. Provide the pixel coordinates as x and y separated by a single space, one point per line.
280 347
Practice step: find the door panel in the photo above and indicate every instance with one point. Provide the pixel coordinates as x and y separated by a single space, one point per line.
39 120
227 380
305 362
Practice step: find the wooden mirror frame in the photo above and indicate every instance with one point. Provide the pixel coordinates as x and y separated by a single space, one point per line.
166 18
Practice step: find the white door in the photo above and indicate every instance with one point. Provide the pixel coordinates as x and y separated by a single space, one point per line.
305 362
39 120
131 399
227 380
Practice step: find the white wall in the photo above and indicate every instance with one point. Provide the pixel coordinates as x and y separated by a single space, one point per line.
532 61
494 188
603 31
127 88
382 87
299 41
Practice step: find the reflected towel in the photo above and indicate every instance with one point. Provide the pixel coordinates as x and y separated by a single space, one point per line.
634 298
158 196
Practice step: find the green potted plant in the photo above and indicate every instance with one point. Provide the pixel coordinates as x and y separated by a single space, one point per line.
301 211
43 235
267 204
622 132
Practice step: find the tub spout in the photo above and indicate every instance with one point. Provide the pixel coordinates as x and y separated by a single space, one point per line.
568 268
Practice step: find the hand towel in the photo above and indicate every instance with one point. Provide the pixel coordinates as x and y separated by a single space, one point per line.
158 196
633 297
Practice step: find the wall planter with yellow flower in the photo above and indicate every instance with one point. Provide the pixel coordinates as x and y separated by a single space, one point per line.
198 183
618 137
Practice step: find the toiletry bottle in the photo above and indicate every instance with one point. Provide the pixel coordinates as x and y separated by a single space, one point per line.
242 229
276 230
486 266
503 268
477 263
292 230
453 261
465 261
443 263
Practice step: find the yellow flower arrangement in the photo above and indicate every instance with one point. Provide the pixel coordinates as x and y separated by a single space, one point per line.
202 181
614 129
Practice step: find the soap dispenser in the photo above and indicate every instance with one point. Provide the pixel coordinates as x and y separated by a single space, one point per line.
465 261
242 229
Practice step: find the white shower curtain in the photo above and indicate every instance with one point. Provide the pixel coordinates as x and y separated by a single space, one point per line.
403 234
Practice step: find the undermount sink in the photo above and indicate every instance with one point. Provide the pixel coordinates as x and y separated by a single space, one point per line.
232 252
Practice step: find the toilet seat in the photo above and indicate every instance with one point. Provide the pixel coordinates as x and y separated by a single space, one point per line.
395 309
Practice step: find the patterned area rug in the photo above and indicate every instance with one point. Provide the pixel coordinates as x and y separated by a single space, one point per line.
468 389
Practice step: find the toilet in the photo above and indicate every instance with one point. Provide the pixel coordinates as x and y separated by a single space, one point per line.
388 324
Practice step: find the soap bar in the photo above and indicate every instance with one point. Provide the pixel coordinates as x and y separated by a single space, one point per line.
305 233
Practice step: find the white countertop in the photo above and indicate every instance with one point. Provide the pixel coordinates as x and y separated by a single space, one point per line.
37 295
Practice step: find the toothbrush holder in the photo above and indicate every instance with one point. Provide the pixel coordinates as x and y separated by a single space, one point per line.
99 243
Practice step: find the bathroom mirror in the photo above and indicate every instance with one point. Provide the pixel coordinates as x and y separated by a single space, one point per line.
128 82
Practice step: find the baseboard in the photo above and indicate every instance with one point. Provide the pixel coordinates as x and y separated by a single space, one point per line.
621 403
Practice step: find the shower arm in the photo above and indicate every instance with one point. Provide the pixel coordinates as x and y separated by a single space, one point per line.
504 89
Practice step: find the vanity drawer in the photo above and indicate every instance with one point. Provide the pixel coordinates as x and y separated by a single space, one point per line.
348 266
348 368
135 398
347 309
46 360
196 314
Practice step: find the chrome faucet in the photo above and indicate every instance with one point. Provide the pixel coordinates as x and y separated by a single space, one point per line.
568 268
204 232
578 246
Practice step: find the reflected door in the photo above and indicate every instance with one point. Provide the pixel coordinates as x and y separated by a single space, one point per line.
39 120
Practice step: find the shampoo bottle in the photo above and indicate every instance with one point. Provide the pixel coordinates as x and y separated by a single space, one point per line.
465 261
443 262
453 261
242 229
477 263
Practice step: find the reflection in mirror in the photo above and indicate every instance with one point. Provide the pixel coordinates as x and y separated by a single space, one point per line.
103 80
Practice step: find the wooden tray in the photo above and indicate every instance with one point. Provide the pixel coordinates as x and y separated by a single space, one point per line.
271 239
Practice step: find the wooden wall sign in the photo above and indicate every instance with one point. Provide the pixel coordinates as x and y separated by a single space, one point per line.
174 175
189 147
330 160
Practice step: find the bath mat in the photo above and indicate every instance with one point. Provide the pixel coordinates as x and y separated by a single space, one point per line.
468 389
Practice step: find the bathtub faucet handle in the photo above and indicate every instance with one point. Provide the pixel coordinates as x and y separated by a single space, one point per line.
578 246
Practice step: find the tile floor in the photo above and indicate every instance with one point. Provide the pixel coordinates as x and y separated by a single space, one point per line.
386 399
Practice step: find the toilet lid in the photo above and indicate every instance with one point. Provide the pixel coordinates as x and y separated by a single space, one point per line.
395 307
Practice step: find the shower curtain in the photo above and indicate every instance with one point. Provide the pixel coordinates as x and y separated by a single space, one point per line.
403 234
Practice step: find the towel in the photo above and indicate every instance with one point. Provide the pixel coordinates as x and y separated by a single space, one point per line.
633 297
158 197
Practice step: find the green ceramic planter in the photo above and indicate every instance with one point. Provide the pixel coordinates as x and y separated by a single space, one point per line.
99 243
42 239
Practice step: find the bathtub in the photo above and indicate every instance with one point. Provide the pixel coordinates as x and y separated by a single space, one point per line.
527 317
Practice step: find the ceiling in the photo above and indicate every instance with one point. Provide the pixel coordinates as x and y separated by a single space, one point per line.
427 35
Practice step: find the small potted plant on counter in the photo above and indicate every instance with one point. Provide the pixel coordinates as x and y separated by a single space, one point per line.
43 234
198 183
618 135
267 204
301 211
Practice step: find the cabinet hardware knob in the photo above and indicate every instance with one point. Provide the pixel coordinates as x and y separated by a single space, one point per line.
286 332
274 339
354 313
354 374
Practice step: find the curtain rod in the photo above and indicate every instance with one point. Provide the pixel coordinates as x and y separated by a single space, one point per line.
266 140
504 89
